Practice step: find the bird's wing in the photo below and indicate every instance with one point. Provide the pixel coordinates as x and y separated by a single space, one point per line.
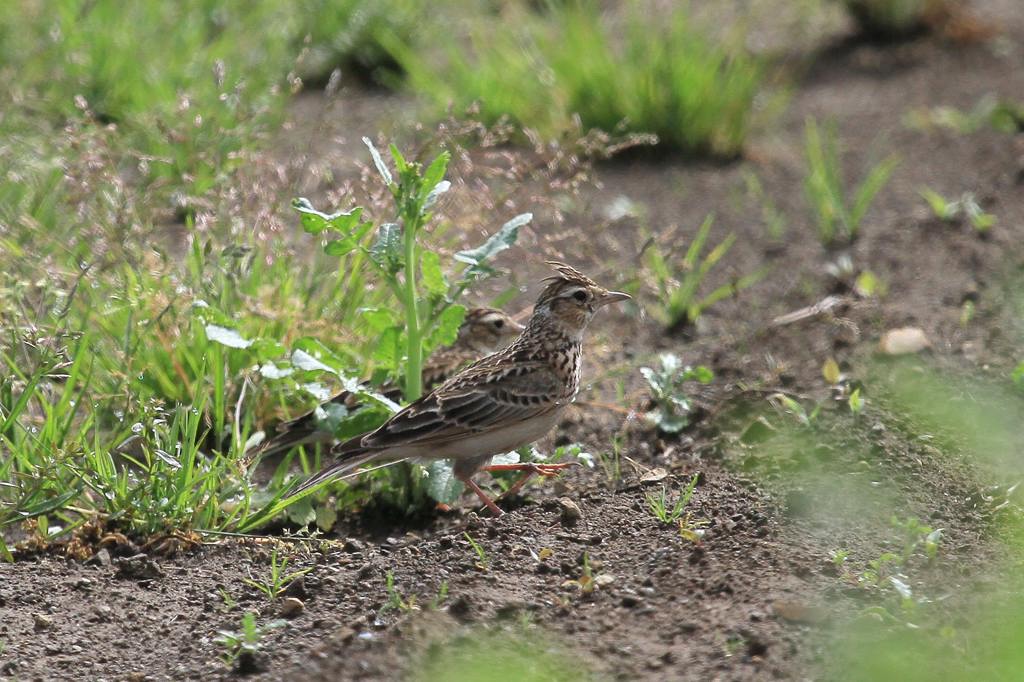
484 396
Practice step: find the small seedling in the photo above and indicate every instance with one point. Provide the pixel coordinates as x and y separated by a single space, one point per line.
691 529
279 579
856 402
773 219
611 462
678 301
229 602
481 556
672 408
246 641
839 557
942 208
440 597
966 206
585 582
659 504
837 216
395 600
783 403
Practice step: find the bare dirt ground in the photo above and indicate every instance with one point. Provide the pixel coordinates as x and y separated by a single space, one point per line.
759 596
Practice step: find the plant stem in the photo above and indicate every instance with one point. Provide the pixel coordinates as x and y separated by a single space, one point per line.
414 347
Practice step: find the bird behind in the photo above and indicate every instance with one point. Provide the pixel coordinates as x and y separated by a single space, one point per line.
483 331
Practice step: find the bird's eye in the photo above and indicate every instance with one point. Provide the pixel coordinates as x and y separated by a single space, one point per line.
580 296
499 324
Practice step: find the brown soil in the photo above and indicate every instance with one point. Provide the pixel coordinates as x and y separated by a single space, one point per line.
759 596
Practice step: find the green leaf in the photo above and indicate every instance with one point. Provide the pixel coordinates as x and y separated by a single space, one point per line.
348 243
361 421
379 319
314 221
386 252
389 349
502 239
301 513
875 181
430 271
701 374
5 553
316 349
226 337
385 174
434 184
447 327
442 484
326 517
400 162
942 209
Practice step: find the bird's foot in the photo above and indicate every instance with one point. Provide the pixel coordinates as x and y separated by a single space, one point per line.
530 469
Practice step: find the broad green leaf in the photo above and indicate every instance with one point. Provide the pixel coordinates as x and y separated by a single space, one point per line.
438 190
317 350
386 251
447 327
226 337
361 421
389 349
502 239
265 349
301 513
379 163
5 553
314 221
326 517
432 277
307 363
348 242
379 319
442 484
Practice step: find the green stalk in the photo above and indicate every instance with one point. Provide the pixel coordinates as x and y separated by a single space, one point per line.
414 348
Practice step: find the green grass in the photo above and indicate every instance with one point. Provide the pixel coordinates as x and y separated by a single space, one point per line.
838 216
667 513
192 86
678 281
647 73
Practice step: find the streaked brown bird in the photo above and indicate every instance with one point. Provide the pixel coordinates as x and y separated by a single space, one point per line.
497 404
483 331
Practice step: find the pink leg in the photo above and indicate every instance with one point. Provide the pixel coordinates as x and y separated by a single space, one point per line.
530 469
483 496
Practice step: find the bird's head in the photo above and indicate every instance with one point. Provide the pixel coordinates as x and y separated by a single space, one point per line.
487 330
570 299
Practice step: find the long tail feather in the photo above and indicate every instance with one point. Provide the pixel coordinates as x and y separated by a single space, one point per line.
302 431
347 462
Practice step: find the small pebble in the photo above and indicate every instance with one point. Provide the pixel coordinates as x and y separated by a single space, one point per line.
571 512
291 607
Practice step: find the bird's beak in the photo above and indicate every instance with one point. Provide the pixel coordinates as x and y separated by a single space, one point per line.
613 297
513 327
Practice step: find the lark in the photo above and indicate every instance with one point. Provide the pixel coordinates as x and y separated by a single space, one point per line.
497 404
484 331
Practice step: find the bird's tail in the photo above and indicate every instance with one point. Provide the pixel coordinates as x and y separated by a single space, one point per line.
350 456
301 431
